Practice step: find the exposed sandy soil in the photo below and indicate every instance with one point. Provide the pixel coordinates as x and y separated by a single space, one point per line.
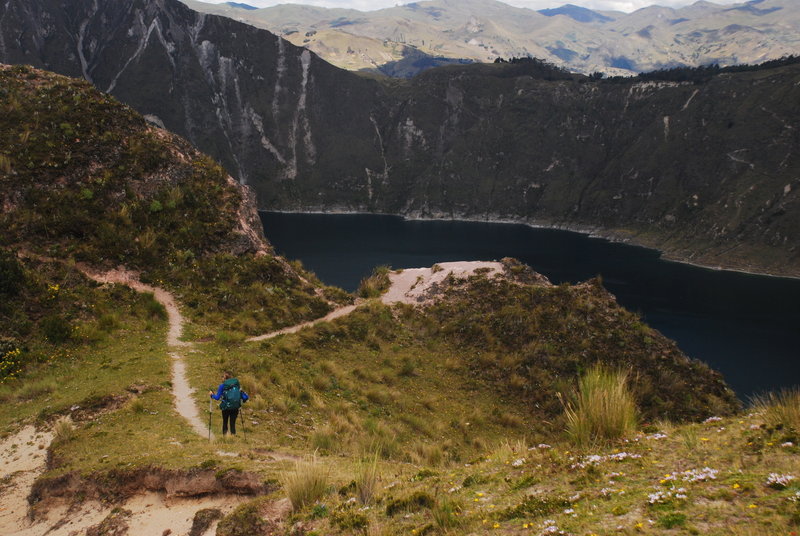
23 457
415 285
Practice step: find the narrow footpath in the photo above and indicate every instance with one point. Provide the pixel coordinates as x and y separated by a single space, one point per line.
182 392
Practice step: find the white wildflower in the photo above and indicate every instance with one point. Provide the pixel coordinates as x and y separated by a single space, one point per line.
774 480
699 475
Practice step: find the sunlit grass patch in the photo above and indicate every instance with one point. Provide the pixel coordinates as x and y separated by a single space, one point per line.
604 408
367 478
306 483
780 409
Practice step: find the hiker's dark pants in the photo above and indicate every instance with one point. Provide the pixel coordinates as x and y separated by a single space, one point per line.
229 414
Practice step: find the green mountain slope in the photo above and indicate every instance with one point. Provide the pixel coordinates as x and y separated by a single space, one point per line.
86 178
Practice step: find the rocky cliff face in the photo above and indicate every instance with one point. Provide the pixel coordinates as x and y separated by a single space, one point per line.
265 108
704 171
707 171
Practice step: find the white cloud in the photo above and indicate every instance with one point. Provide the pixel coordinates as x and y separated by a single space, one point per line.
367 5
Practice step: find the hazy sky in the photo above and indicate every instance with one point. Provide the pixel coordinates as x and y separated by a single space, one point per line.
617 5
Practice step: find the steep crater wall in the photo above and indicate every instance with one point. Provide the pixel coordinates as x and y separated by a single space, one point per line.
704 171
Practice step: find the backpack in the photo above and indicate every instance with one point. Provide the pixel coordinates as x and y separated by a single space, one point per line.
231 395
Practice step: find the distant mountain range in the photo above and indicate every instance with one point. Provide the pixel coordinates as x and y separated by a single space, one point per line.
403 40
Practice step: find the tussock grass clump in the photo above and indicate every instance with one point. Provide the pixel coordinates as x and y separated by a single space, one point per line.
324 439
604 408
447 515
63 432
367 478
154 307
376 284
307 483
781 409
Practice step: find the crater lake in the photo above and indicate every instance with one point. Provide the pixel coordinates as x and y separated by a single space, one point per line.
746 326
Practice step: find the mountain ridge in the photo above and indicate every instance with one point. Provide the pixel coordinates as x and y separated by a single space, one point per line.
649 38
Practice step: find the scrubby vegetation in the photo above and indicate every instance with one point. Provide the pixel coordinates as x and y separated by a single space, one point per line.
54 313
534 340
85 178
376 284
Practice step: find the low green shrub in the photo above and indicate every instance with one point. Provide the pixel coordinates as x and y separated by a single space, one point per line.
672 520
349 520
413 503
56 329
12 277
534 506
244 520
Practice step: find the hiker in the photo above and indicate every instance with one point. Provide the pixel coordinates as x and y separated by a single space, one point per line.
232 397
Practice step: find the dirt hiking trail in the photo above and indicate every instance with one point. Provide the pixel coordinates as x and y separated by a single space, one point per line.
182 392
414 286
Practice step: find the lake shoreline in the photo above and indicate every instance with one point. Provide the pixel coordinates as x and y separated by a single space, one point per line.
614 236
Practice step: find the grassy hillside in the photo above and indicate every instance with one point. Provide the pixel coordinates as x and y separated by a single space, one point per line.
448 418
85 178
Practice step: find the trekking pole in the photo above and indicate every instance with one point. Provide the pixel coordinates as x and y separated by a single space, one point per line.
210 405
244 428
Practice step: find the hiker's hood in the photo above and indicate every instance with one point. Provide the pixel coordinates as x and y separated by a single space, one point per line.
231 382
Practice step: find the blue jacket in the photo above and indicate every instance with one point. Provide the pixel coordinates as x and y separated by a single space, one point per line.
221 389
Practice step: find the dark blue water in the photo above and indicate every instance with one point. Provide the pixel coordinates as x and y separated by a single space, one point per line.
745 326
